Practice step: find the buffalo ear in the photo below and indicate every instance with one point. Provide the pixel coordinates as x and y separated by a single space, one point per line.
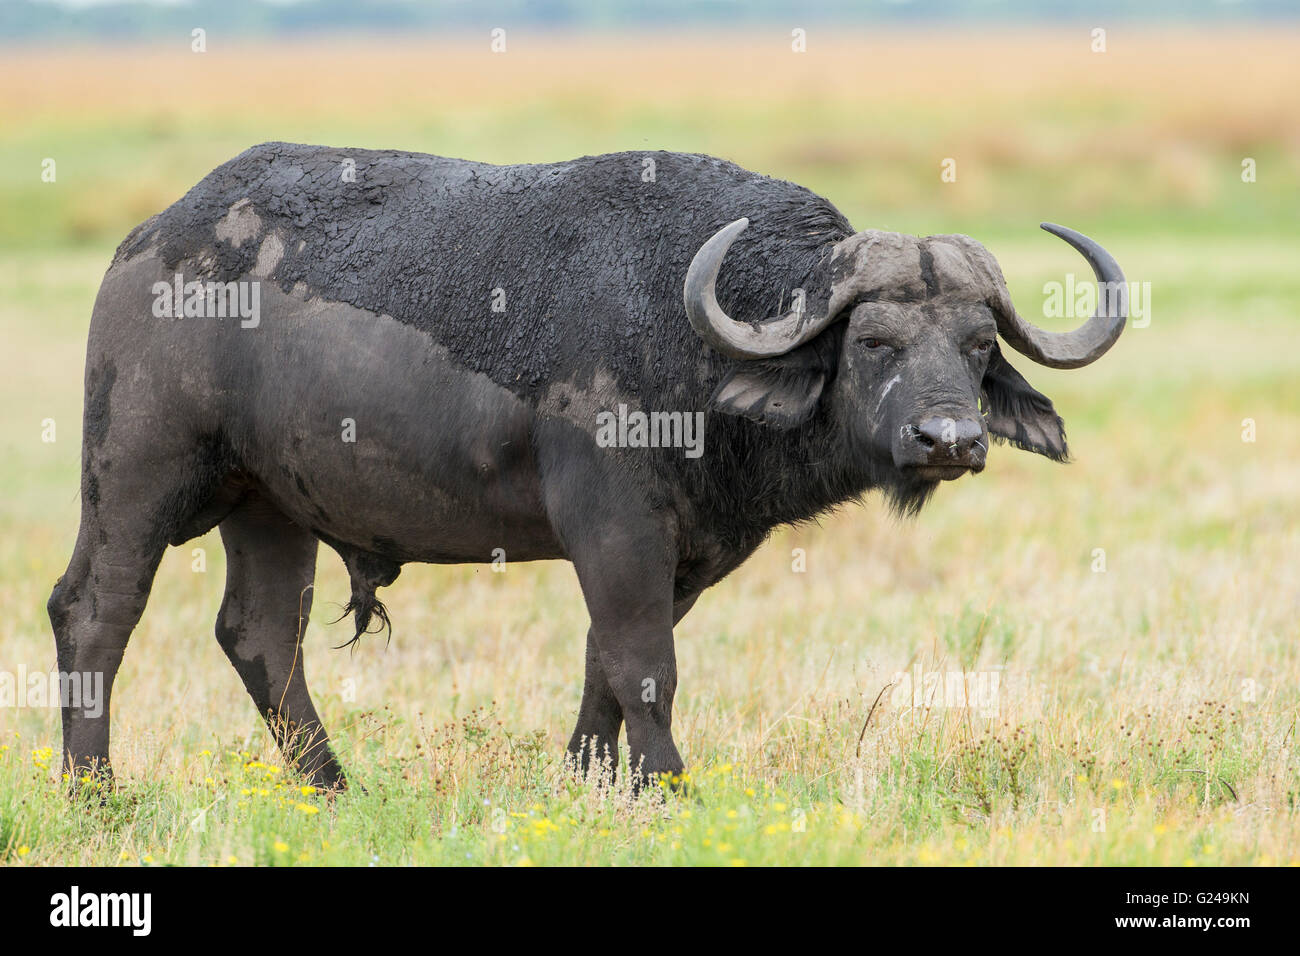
782 391
769 393
1017 413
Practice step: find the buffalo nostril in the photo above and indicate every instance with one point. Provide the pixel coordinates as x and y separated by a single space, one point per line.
911 434
949 437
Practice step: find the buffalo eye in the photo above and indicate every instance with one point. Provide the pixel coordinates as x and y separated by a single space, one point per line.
984 346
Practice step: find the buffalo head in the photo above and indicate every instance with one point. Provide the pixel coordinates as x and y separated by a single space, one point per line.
919 379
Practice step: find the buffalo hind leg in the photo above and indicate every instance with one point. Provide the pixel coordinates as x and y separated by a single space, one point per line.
270 567
129 512
93 609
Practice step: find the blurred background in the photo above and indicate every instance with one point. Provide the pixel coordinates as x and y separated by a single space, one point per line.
1172 137
1052 110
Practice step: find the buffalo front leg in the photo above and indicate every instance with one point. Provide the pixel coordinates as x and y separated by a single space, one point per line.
621 541
595 737
628 588
600 716
270 566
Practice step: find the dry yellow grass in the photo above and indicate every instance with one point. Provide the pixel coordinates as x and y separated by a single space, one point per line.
1250 76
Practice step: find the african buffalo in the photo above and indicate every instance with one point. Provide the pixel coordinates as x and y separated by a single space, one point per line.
641 363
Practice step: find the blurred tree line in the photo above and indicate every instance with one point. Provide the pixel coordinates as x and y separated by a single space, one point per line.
77 19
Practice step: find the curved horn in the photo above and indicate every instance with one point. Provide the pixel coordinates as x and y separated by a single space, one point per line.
1090 341
739 339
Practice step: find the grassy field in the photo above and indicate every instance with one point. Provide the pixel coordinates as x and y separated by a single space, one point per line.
1145 713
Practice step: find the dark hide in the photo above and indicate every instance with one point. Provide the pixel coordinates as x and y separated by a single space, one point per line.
589 256
591 260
